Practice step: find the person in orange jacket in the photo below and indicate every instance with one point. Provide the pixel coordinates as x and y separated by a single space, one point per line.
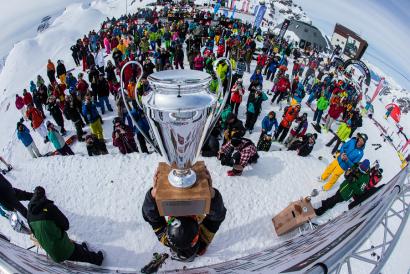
51 71
289 115
37 121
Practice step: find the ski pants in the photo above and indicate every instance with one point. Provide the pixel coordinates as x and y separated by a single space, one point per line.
80 254
317 116
270 75
329 203
96 129
279 95
329 122
65 150
33 150
42 130
336 147
103 100
62 78
250 120
335 171
282 131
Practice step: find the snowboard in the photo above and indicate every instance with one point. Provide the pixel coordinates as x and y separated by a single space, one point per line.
157 261
264 144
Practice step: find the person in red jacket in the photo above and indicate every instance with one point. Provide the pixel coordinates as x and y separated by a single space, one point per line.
21 106
334 112
289 115
37 121
261 61
199 62
237 92
82 86
123 137
27 98
281 88
220 50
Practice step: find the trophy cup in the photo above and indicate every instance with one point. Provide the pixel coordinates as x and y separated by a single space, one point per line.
181 112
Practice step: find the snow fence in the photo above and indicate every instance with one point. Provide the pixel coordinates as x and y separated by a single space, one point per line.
317 251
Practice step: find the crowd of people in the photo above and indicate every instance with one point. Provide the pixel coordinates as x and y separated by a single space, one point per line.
197 38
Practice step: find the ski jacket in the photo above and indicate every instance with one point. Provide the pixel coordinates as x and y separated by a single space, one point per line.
322 103
247 150
61 70
283 85
258 78
56 139
24 136
71 112
199 62
19 102
343 132
267 124
8 199
103 89
28 99
335 110
49 226
240 68
354 154
236 93
354 184
299 130
289 116
261 60
305 147
125 141
254 104
221 49
90 111
35 116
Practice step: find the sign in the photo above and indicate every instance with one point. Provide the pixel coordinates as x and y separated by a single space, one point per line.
283 30
362 67
260 15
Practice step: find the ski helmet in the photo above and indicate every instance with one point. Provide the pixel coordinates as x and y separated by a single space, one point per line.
182 232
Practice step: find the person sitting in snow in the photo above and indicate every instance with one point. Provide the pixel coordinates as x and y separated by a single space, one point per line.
187 236
49 226
95 146
123 137
356 180
304 145
238 153
299 130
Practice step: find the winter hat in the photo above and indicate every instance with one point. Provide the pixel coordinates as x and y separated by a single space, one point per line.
315 135
39 192
363 136
364 166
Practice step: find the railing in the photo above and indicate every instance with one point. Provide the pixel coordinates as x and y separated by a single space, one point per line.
341 244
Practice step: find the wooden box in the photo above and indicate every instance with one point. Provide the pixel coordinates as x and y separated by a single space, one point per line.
172 201
293 216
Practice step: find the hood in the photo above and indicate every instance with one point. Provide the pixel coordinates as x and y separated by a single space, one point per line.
37 204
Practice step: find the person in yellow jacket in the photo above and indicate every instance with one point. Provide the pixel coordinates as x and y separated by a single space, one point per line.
342 134
121 47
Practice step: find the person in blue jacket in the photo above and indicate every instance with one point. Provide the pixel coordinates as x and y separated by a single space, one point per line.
350 153
23 134
268 122
257 78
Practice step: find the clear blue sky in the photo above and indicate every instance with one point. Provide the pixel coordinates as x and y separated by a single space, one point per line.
385 24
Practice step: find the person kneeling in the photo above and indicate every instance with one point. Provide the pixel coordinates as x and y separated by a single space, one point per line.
355 184
238 153
123 137
304 146
49 226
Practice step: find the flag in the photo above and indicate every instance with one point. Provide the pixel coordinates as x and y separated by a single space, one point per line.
233 12
217 7
283 30
378 88
259 16
255 10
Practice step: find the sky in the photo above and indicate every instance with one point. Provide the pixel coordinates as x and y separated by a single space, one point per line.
384 24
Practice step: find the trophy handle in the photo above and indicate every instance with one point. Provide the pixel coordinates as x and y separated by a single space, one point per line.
123 94
220 107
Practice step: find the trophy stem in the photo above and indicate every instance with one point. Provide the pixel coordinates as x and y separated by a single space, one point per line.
182 178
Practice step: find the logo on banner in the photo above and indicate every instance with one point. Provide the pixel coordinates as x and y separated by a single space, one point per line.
283 30
260 15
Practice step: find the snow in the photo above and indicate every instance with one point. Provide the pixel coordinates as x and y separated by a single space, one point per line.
102 196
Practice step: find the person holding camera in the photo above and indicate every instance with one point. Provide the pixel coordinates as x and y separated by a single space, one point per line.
123 137
186 236
95 146
237 92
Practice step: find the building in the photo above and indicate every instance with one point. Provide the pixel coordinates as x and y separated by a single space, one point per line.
306 35
351 44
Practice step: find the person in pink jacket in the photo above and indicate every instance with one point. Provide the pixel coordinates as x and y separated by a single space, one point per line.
21 106
107 45
199 62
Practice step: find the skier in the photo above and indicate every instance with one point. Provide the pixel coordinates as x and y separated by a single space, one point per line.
49 226
23 134
71 112
54 108
37 122
186 236
237 92
10 197
304 146
357 177
51 71
342 134
350 154
281 88
265 139
103 92
299 130
321 106
233 126
238 153
254 107
21 106
58 141
289 115
90 111
123 137
61 71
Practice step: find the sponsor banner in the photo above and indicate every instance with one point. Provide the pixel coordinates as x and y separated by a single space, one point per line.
283 30
259 16
233 12
256 9
378 89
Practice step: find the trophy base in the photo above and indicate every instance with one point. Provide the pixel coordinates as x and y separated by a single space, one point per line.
177 201
182 180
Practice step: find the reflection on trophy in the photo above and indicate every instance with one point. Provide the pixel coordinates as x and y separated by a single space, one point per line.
181 112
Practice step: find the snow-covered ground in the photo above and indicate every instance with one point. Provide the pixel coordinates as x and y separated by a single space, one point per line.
102 196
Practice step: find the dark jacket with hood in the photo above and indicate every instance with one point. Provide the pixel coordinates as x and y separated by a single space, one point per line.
49 226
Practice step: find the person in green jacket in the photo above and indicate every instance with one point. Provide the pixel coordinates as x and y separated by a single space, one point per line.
355 184
49 226
342 134
213 85
322 105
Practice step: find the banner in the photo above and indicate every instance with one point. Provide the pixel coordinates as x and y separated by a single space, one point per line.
259 16
378 89
232 4
283 30
245 6
233 12
217 7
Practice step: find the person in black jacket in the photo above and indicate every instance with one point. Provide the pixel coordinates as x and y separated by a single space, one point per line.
148 68
55 111
254 107
234 126
76 54
10 197
305 146
357 122
95 146
179 57
71 112
103 91
185 236
61 71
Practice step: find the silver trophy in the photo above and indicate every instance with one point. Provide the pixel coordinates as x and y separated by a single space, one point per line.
181 111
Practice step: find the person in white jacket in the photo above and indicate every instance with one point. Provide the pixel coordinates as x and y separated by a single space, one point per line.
99 59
